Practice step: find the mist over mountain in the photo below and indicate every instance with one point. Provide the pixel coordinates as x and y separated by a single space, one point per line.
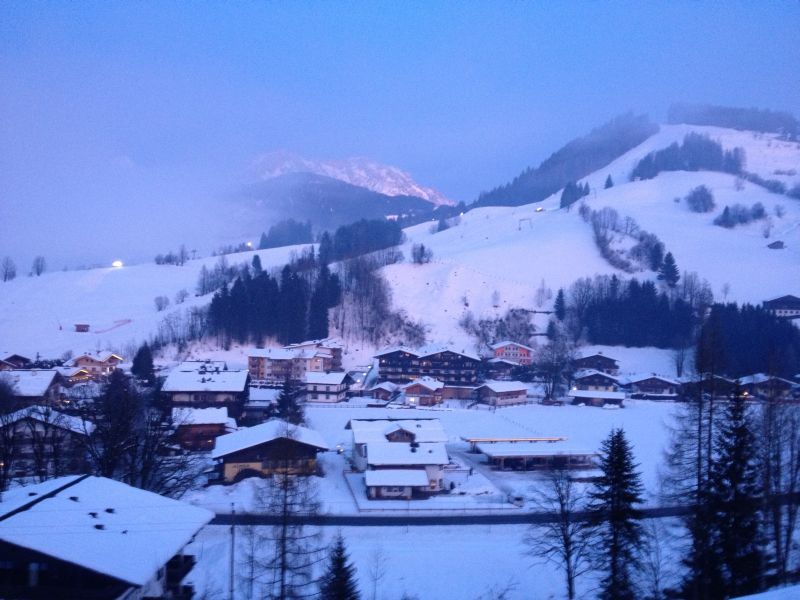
358 171
324 201
574 160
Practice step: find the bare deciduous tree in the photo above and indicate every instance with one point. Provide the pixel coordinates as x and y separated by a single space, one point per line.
291 548
39 266
779 459
562 541
378 567
8 269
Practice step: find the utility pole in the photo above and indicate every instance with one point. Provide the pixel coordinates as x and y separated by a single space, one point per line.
233 546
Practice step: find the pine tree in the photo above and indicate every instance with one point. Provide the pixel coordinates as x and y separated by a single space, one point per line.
142 366
560 305
615 521
609 182
318 313
339 580
325 251
263 243
736 499
288 406
668 273
257 268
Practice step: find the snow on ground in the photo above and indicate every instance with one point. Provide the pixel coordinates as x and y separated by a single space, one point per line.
486 490
496 257
38 314
787 593
467 562
432 562
635 362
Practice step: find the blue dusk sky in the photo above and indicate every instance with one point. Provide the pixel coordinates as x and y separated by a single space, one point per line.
124 116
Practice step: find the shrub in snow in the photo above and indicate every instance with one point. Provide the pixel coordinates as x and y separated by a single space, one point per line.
739 214
161 302
700 200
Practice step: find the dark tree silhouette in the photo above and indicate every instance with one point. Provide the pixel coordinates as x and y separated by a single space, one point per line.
339 580
615 523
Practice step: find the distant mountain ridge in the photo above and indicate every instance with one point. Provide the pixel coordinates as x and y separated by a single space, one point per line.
573 161
324 201
358 171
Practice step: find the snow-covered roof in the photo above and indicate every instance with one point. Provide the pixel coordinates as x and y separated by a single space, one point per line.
257 394
265 432
194 381
400 453
389 386
71 371
334 378
202 416
329 342
639 379
396 477
424 430
284 353
757 378
427 351
206 365
509 343
100 356
497 361
596 394
30 383
589 372
428 382
52 417
596 355
101 525
504 386
500 449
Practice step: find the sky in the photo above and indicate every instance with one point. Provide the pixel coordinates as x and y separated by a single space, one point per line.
127 128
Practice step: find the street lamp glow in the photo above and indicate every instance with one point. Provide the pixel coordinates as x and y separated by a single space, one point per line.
117 264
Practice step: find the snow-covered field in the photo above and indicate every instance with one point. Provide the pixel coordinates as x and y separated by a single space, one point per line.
646 425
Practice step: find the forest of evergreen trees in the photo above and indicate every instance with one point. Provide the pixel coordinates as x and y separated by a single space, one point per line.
291 307
742 340
286 233
576 160
361 237
696 153
750 119
634 313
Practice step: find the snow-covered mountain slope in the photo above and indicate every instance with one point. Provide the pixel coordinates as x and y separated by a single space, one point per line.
359 171
507 250
511 250
38 314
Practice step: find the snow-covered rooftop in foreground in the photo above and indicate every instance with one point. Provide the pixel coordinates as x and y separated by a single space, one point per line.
388 454
100 524
424 430
396 477
30 383
265 432
211 381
